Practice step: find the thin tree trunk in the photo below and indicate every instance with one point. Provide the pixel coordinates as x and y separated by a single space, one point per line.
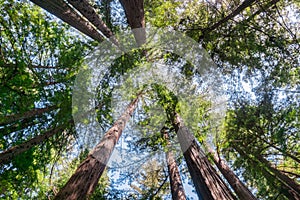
239 188
278 149
8 154
208 184
286 190
177 189
238 10
63 11
86 9
28 114
134 10
279 174
84 181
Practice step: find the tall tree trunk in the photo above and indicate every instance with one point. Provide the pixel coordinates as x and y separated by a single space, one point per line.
177 189
239 188
286 190
87 10
28 114
234 13
8 154
134 10
84 181
63 11
208 184
279 174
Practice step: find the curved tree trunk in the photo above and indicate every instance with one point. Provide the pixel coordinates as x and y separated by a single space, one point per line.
177 189
63 11
239 188
208 184
85 179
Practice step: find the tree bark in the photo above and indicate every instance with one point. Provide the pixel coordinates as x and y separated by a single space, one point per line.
208 184
86 9
234 13
177 189
84 181
134 11
279 174
63 11
239 188
28 114
8 154
286 190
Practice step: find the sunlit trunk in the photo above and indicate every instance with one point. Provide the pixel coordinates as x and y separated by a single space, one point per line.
85 179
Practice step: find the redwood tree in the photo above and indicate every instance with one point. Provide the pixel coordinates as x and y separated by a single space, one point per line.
85 179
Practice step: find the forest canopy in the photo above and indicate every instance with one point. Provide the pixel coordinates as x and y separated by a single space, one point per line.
139 99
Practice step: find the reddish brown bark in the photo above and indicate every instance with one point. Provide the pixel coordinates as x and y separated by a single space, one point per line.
239 188
18 149
84 181
207 182
134 10
63 11
177 189
87 10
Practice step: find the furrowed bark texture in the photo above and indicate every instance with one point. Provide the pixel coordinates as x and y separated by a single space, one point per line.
87 10
84 181
208 184
239 188
177 189
63 11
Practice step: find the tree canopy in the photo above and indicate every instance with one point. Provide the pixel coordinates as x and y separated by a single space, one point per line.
139 99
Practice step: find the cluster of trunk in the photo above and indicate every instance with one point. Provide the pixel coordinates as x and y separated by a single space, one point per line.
207 182
238 186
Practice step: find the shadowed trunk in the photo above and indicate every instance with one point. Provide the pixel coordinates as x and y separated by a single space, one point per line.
8 154
239 188
28 114
84 181
134 10
208 184
284 188
87 10
279 174
177 189
234 13
63 11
